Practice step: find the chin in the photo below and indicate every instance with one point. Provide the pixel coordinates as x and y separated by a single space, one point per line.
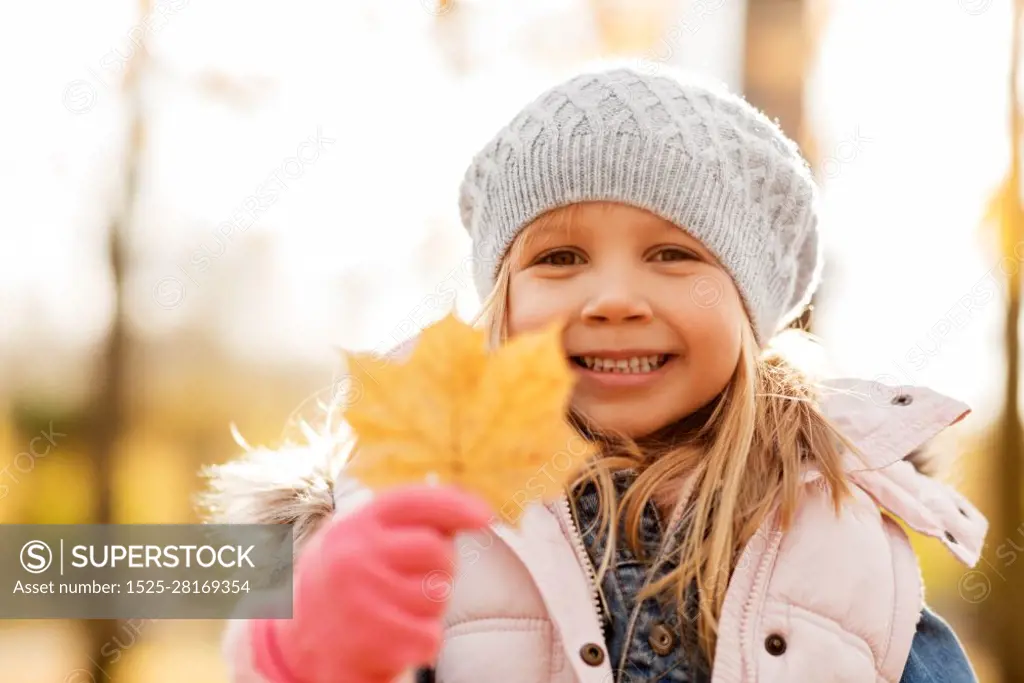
611 421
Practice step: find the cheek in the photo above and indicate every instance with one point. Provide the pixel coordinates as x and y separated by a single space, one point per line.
712 318
532 304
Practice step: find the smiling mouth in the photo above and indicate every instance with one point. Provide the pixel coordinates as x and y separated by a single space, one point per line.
625 366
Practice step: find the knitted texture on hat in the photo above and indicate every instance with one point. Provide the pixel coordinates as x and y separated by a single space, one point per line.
694 154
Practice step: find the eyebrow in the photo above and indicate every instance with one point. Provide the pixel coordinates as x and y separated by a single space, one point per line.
542 229
546 223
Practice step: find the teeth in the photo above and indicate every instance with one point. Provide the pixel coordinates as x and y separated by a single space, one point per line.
631 365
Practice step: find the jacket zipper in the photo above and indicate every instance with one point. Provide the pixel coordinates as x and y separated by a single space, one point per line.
583 558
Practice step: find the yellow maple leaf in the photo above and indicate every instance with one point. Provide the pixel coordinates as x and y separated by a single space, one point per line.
489 421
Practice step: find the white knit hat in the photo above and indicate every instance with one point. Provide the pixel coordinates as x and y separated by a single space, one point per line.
694 154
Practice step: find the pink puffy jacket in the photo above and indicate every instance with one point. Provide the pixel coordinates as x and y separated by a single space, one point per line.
834 599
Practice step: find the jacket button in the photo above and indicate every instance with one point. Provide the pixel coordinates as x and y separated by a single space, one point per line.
775 644
592 654
950 537
661 639
902 400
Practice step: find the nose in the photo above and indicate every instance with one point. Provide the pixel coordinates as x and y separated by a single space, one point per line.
614 302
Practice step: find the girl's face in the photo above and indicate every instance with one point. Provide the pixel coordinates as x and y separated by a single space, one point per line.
653 322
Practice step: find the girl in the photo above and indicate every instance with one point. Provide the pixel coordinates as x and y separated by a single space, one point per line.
738 523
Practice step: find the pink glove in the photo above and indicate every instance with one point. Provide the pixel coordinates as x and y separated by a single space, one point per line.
362 612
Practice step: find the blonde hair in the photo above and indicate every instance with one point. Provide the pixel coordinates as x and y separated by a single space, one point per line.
744 454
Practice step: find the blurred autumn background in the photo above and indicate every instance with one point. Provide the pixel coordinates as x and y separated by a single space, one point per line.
204 199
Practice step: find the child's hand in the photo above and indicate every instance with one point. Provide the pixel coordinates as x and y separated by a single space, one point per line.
362 612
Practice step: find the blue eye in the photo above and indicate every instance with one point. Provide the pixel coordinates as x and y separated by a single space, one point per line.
562 257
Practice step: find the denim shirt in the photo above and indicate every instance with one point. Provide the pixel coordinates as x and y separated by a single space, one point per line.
658 646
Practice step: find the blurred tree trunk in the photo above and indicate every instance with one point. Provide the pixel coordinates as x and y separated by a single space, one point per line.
110 404
1008 594
779 46
630 28
775 60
